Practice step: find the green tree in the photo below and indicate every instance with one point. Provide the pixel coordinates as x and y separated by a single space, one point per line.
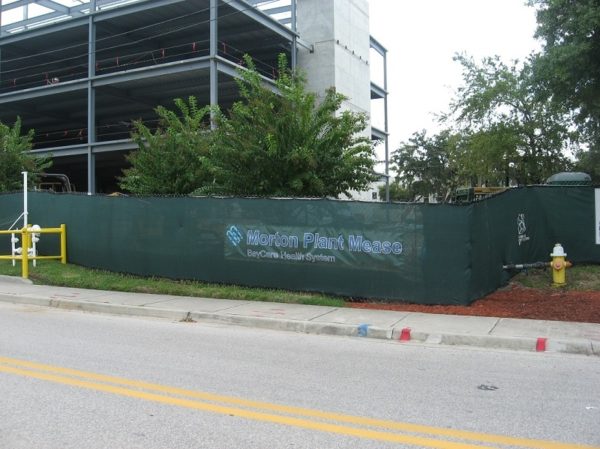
398 192
172 158
489 156
588 161
499 130
289 143
15 157
569 66
427 165
508 123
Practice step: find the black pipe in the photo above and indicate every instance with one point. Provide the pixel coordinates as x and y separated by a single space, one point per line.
523 266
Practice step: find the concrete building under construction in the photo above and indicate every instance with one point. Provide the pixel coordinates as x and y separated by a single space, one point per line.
79 72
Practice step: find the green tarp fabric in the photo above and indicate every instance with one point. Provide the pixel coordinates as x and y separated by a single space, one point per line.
424 253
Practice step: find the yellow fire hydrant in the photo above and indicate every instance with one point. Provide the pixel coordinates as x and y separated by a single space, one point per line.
559 266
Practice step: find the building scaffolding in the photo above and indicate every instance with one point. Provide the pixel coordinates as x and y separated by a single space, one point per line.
80 72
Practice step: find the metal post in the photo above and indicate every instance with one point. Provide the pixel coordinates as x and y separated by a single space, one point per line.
214 72
25 205
91 103
25 253
63 244
295 39
294 53
387 137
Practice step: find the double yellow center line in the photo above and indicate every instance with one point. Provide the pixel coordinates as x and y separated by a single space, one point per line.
347 425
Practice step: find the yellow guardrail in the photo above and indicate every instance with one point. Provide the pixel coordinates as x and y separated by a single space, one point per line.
26 234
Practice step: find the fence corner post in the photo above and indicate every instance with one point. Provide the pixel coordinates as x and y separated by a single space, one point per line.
25 253
63 244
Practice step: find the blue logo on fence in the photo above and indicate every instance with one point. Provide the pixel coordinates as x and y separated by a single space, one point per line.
234 235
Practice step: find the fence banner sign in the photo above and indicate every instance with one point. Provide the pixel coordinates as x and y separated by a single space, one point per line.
597 222
423 253
292 245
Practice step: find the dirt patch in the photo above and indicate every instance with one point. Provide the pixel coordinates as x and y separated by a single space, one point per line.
515 301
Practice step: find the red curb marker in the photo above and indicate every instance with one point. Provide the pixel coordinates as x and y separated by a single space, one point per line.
405 334
540 346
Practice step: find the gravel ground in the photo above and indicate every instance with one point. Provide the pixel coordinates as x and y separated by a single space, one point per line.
516 301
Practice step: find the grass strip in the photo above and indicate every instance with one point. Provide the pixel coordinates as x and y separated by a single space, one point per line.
579 278
53 273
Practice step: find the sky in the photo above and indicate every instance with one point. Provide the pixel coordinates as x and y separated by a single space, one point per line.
423 35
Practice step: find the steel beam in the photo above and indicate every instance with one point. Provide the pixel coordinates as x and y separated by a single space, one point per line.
14 5
91 103
99 15
43 91
387 139
378 134
231 69
8 37
140 6
214 52
59 12
295 40
375 45
115 145
82 150
377 92
277 10
53 6
69 150
262 18
201 63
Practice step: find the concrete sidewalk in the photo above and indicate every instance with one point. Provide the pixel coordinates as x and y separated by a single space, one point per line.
406 327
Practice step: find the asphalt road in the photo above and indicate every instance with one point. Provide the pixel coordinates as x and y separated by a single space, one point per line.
78 380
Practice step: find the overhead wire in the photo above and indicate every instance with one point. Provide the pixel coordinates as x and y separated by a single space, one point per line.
80 133
144 57
41 77
112 36
153 25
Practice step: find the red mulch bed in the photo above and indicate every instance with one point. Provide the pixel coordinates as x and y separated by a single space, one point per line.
515 301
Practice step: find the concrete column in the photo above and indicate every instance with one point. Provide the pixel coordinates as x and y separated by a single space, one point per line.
339 31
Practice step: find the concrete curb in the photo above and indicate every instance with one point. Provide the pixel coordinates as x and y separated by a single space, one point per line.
574 346
88 306
14 280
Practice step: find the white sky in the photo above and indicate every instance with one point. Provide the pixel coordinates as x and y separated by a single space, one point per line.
423 35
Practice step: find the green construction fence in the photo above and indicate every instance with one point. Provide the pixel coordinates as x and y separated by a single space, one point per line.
422 253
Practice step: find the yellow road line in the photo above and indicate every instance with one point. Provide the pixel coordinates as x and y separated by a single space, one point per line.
391 425
257 416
